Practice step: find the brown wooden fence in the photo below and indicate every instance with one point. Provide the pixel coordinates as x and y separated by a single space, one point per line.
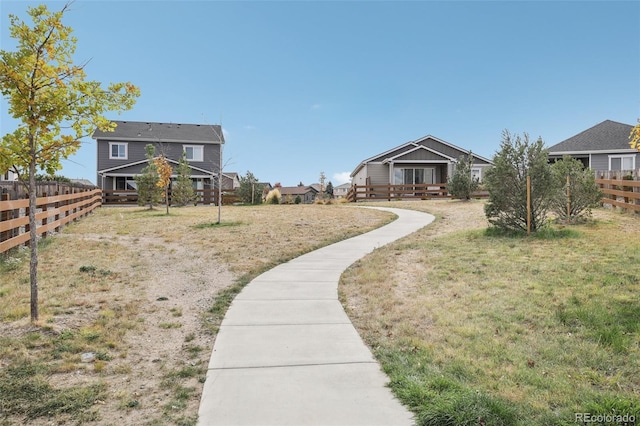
389 192
52 213
621 193
203 196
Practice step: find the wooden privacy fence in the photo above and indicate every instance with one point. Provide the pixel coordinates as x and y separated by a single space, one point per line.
203 196
388 192
52 213
621 193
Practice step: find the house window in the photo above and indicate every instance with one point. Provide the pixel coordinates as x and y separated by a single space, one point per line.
118 151
194 152
476 173
622 162
122 183
412 176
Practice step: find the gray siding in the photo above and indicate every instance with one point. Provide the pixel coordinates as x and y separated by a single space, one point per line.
421 155
360 178
599 162
378 174
136 152
443 148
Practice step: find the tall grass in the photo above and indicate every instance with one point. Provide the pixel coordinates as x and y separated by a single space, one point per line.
480 328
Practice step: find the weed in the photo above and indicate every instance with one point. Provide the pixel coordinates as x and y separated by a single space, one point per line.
169 325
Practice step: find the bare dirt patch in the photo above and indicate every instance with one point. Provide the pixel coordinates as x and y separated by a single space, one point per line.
156 276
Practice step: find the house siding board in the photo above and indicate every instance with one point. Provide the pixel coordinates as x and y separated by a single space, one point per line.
360 178
599 162
447 150
137 152
378 174
421 155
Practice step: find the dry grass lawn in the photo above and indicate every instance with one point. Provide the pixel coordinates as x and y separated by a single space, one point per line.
135 288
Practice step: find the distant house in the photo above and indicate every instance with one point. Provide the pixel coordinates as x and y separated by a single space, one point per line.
341 191
230 181
603 147
121 153
9 176
307 194
425 160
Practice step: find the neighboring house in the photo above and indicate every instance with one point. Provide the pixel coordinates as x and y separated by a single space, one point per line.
425 160
341 191
9 176
121 153
307 194
85 182
230 181
602 147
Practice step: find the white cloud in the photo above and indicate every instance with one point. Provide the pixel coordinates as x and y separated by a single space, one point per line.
341 177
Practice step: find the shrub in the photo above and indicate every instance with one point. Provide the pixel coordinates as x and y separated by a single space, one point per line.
182 192
462 184
149 193
273 197
250 191
576 190
506 182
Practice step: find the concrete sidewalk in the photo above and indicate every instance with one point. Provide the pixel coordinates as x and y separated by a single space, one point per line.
287 354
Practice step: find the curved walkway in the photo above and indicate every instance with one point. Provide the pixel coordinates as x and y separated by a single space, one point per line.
287 354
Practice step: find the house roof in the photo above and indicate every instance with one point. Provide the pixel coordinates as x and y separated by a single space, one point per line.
604 137
123 167
146 131
410 146
296 190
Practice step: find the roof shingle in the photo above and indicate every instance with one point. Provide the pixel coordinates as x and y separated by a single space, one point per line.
606 136
163 132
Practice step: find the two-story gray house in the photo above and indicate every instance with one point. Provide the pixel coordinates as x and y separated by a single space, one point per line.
121 153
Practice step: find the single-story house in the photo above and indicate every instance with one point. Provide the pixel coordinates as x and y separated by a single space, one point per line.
425 160
307 194
603 147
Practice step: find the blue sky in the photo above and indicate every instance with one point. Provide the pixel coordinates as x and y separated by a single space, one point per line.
303 87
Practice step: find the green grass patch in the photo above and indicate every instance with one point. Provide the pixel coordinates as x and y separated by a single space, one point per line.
480 327
26 393
222 224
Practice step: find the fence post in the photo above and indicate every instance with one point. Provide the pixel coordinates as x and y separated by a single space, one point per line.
5 215
57 216
44 218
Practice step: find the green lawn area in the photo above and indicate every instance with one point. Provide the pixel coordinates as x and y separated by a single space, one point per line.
478 328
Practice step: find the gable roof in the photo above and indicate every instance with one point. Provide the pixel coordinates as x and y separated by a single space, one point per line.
146 131
296 190
411 146
606 136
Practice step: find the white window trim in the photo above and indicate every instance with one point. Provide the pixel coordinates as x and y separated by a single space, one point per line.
200 148
621 157
126 151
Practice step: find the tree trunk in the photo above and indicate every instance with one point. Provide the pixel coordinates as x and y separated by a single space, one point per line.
33 240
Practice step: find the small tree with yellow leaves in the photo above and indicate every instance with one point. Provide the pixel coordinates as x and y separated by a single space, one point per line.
54 104
635 137
164 177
